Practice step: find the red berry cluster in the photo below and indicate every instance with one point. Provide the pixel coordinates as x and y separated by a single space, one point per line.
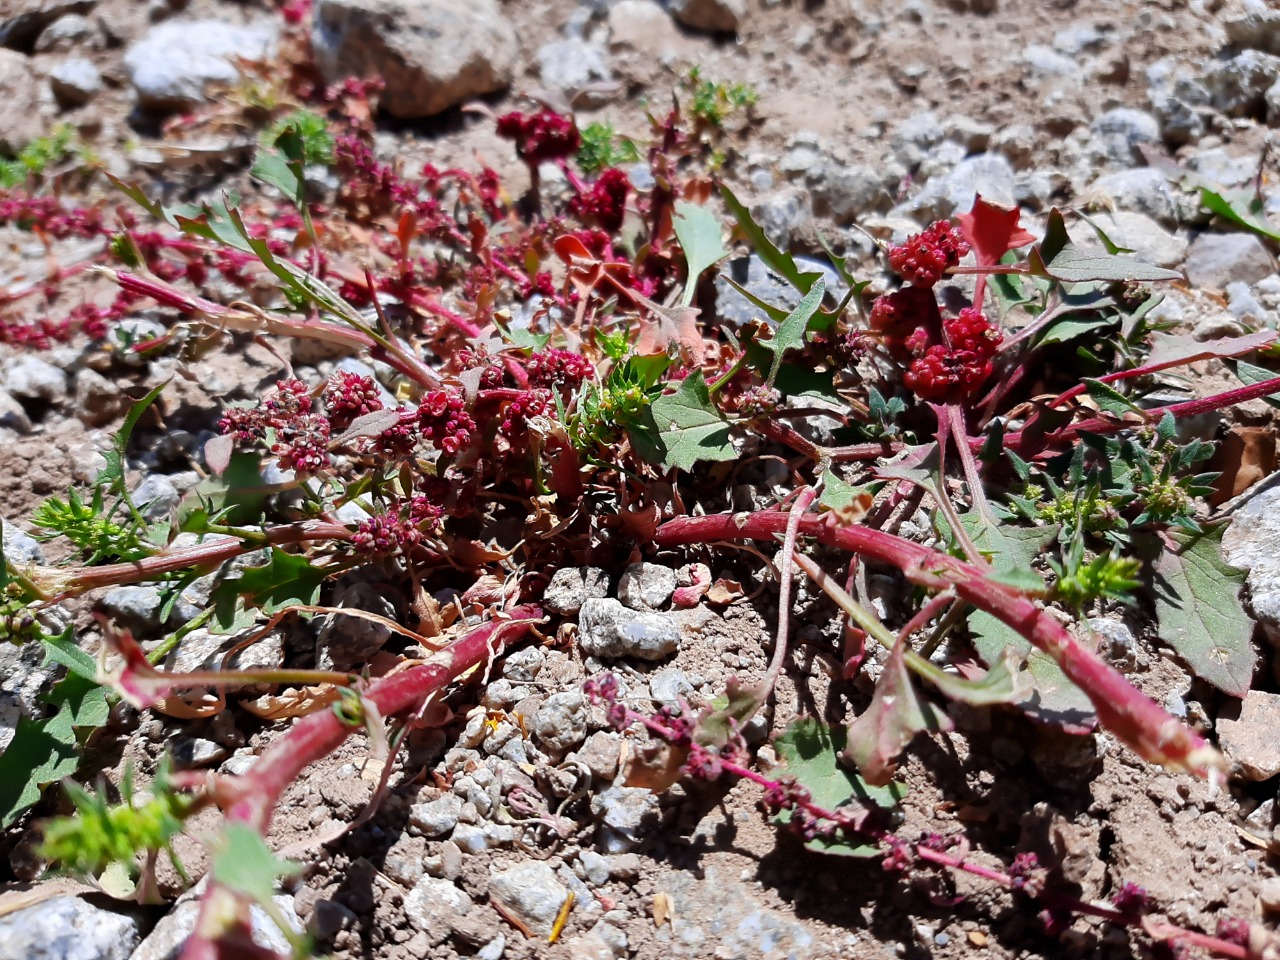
541 136
960 366
399 527
493 375
348 396
557 368
605 202
523 409
926 256
444 422
899 314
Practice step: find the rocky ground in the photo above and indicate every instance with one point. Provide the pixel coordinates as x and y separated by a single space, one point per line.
873 115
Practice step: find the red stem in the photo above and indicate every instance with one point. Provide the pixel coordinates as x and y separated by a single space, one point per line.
1128 713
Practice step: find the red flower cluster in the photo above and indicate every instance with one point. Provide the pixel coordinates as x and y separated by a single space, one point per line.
399 527
535 403
926 256
348 396
898 314
541 136
444 421
558 368
605 202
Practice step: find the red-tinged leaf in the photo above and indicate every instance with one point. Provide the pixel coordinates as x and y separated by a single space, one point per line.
670 325
217 453
137 681
896 714
992 231
1175 349
572 250
367 425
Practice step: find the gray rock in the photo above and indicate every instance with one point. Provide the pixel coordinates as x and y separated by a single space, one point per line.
156 496
914 136
24 676
646 586
600 753
67 928
434 906
175 64
22 116
1137 232
622 812
66 32
344 642
1044 62
1252 541
573 67
595 867
561 722
986 174
524 665
1119 644
435 818
75 82
608 629
494 949
1238 86
570 586
752 274
1254 27
974 135
13 416
27 377
1077 39
784 215
20 548
191 753
329 918
433 54
1143 190
22 21
1216 259
669 686
844 193
1116 134
202 650
136 607
714 16
1272 98
1223 168
1247 735
1179 102
1244 306
168 936
531 892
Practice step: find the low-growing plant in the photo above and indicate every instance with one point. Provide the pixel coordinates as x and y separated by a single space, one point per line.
551 371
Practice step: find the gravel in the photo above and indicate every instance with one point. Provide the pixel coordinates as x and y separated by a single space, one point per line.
75 82
435 907
438 817
28 377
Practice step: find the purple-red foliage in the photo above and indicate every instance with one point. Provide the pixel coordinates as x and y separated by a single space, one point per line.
545 135
605 202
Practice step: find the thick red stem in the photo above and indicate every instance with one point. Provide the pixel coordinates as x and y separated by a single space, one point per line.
1125 711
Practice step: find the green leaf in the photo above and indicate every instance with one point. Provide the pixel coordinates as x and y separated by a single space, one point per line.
1199 612
720 722
896 714
1250 374
286 580
1053 698
44 751
809 751
791 331
272 167
63 650
1241 207
837 493
1003 683
777 261
687 427
1110 400
1058 258
243 863
698 231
